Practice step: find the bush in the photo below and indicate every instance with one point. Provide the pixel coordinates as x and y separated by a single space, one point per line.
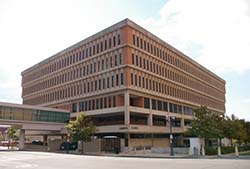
224 150
211 151
244 148
227 150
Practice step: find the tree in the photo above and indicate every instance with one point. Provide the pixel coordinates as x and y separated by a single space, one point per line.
81 129
235 128
11 132
206 124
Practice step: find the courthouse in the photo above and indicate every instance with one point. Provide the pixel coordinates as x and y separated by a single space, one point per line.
129 81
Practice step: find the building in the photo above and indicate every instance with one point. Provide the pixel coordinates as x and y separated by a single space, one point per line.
129 81
33 120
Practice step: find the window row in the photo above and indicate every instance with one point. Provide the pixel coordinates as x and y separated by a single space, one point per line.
164 70
84 69
167 106
86 86
96 46
167 88
94 104
160 51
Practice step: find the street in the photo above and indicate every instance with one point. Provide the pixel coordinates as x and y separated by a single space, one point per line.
41 160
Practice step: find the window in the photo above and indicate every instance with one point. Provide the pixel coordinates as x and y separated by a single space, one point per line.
170 107
122 79
105 102
105 45
112 81
81 106
103 84
132 79
114 41
114 101
101 103
117 80
97 103
135 80
153 104
165 106
133 39
107 82
175 108
101 46
115 60
120 60
133 59
111 62
74 107
109 43
119 40
136 60
109 101
159 105
146 103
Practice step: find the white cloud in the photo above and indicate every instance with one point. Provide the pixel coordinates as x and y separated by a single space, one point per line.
219 28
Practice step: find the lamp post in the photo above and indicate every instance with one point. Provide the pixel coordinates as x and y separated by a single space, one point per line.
169 119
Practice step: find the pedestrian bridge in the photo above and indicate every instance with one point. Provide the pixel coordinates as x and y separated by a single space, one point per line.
33 120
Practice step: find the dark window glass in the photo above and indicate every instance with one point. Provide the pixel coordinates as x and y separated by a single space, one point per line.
114 41
133 39
133 59
117 80
105 102
132 79
146 103
165 106
153 104
114 101
74 107
119 40
110 43
115 60
159 105
175 108
107 82
122 79
170 107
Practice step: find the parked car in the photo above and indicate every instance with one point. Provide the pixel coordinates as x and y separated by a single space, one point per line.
37 142
71 145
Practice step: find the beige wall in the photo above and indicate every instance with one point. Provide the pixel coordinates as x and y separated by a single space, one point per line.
156 142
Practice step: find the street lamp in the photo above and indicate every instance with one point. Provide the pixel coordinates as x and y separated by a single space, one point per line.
170 119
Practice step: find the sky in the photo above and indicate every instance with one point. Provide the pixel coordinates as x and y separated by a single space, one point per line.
214 33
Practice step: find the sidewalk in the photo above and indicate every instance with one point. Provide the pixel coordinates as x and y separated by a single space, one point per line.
155 155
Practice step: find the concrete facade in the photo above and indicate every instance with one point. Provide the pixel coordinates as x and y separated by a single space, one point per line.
129 81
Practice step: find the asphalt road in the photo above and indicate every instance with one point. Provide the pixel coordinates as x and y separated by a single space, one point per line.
40 160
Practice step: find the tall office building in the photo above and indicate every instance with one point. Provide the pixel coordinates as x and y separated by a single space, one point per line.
129 81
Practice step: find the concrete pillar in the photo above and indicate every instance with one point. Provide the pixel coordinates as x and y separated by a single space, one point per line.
45 139
150 120
182 123
21 139
236 151
126 104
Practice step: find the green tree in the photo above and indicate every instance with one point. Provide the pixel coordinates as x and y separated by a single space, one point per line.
206 124
235 128
81 129
11 132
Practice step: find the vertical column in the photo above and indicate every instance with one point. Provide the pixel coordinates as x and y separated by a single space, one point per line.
126 104
21 139
45 138
150 117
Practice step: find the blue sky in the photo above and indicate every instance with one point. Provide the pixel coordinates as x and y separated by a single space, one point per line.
214 33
